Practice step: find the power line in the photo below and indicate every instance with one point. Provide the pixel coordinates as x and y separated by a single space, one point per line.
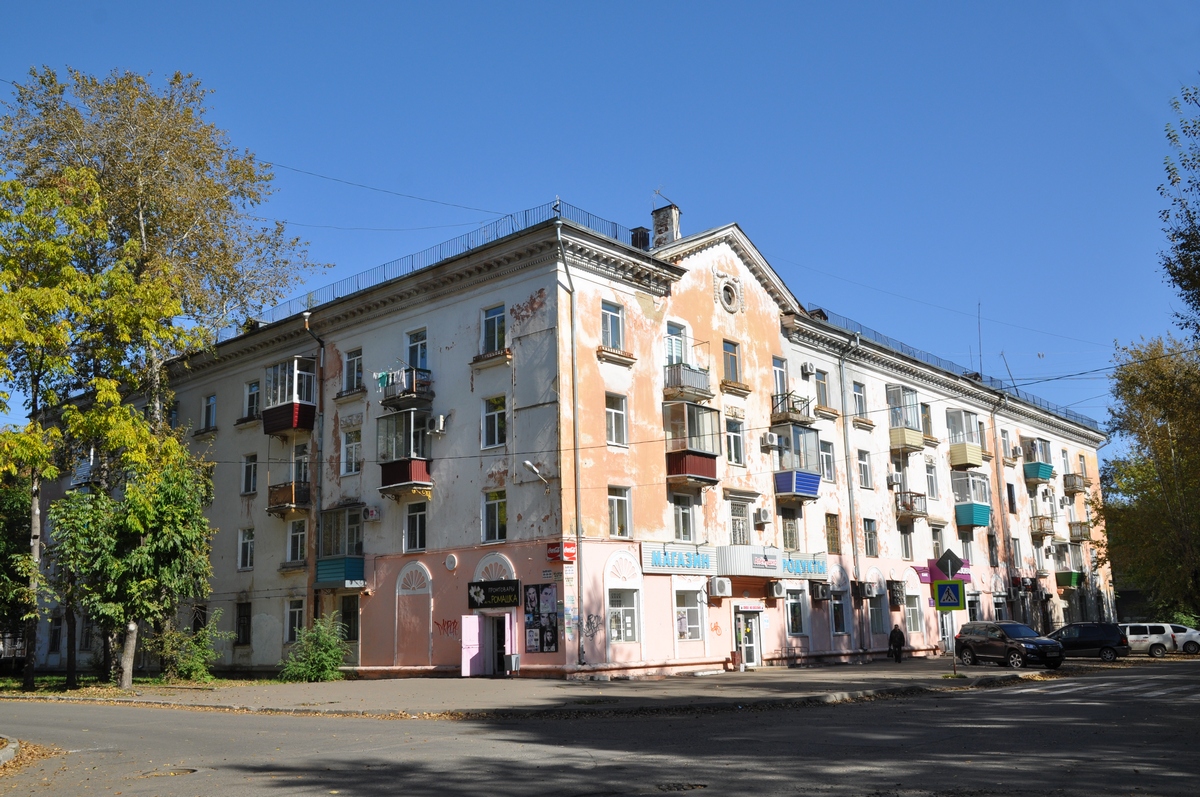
278 165
364 229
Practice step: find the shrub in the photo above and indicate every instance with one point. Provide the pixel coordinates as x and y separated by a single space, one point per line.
317 653
186 655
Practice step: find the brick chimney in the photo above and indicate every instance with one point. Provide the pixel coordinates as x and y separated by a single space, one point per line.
666 225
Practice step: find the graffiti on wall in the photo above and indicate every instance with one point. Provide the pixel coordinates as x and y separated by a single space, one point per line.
447 627
594 623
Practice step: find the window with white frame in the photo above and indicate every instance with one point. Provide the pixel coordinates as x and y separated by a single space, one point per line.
249 474
208 417
246 549
418 349
253 403
1037 449
821 382
864 469
780 374
1066 462
352 373
962 426
795 605
870 537
1083 466
495 431
493 329
295 619
828 469
966 540
692 427
912 614
676 344
926 420
906 542
859 391
683 516
903 408
297 544
299 463
495 516
351 451
290 382
1005 444
734 442
732 361
739 523
341 532
402 435
790 528
931 481
1015 545
615 429
414 533
622 615
935 534
839 611
618 511
687 614
612 326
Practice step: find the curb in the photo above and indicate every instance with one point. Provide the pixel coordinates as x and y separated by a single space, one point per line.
10 749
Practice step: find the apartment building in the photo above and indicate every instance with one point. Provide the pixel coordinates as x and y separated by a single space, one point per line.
560 447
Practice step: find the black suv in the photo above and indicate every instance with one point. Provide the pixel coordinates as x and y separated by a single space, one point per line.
1105 640
1013 644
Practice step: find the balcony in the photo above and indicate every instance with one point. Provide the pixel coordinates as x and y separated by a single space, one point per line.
1074 483
1041 526
910 505
408 388
288 498
1069 579
340 572
964 456
1038 472
1081 531
403 478
905 440
972 514
797 485
1041 572
691 468
686 382
288 417
791 408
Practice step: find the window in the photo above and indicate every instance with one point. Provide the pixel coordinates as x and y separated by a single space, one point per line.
1011 489
838 608
349 617
860 400
798 447
245 549
912 614
208 418
1015 544
687 614
734 450
821 380
614 420
290 382
55 640
351 452
618 512
779 371
833 536
926 420
962 426
253 406
297 541
864 469
414 534
352 373
935 533
993 550
676 344
1083 466
739 523
974 612
870 537
495 516
241 624
300 463
983 436
493 329
683 517
612 326
906 542
1037 450
250 473
971 488
1005 444
794 605
828 471
295 619
931 481
878 613
494 429
691 427
418 349
966 540
341 533
791 529
903 409
733 372
402 435
622 615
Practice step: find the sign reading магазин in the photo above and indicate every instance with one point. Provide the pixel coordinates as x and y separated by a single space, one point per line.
493 594
806 565
700 560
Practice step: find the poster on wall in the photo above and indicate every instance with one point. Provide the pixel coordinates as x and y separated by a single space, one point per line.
541 618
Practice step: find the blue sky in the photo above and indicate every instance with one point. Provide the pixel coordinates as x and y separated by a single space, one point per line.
899 163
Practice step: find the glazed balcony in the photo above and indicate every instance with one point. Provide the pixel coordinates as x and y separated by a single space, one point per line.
791 408
972 499
405 477
340 572
1038 472
686 382
290 396
910 505
1075 483
408 388
1081 531
1041 526
693 443
289 498
797 485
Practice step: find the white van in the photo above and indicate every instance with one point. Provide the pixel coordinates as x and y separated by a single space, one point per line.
1153 639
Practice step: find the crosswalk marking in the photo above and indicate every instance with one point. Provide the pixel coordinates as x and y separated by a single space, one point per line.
1147 686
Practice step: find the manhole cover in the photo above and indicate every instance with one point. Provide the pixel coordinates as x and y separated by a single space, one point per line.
167 773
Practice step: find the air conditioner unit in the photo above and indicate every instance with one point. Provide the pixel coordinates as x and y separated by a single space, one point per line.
819 590
436 424
807 369
720 587
371 513
769 440
870 590
762 517
894 480
1062 502
775 589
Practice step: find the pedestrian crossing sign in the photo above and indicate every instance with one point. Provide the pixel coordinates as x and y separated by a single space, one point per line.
949 595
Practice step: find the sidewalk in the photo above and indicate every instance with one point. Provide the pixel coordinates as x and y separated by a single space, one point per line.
455 697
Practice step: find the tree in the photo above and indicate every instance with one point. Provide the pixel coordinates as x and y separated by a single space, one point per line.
1151 508
14 541
1181 261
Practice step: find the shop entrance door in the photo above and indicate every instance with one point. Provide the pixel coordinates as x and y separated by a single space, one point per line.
745 625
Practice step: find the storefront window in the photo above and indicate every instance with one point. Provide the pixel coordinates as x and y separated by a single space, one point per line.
837 607
622 615
795 612
687 615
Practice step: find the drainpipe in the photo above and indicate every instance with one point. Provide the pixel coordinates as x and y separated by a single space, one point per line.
562 250
862 644
314 457
998 466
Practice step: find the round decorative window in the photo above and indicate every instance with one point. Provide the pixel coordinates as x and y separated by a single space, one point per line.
729 296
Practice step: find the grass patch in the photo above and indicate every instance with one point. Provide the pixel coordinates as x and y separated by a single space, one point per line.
954 675
92 686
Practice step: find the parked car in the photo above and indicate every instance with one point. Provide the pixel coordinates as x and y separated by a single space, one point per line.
1012 644
1187 639
1153 639
1105 641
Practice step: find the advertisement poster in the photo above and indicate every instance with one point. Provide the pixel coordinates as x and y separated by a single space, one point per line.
541 618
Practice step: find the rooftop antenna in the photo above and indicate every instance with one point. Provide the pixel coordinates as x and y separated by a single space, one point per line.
1006 368
979 330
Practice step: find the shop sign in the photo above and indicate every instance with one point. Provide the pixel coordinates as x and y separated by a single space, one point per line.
563 551
765 561
494 594
748 606
813 565
673 558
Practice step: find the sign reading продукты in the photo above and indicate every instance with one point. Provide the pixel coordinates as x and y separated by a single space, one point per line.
950 564
493 594
949 596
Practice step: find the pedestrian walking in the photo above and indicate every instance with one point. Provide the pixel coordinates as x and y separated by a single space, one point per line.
896 642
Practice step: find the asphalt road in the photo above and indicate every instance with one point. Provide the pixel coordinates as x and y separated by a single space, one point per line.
1112 732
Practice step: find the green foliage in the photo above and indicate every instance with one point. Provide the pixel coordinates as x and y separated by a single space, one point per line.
1181 261
186 655
14 548
317 653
